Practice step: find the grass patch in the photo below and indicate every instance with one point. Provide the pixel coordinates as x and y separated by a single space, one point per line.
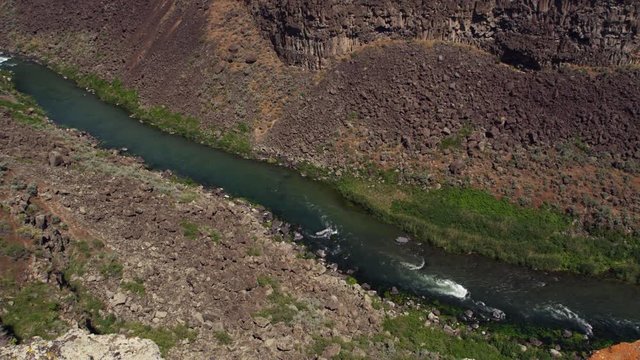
236 140
414 336
187 197
264 280
35 312
455 141
223 337
351 280
190 230
111 268
21 108
165 338
254 250
214 235
282 307
472 221
310 170
136 286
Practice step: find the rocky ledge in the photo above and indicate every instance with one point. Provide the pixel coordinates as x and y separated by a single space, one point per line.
79 344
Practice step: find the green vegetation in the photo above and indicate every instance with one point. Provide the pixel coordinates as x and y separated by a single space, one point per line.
254 250
454 141
165 338
264 280
236 140
282 307
414 336
466 220
320 343
12 250
34 312
20 107
312 171
351 280
190 230
136 286
214 235
111 268
187 197
223 337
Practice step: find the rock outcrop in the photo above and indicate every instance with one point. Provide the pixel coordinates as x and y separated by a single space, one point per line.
623 351
527 33
79 344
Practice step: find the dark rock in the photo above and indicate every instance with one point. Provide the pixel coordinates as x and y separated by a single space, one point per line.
41 222
251 58
456 167
55 159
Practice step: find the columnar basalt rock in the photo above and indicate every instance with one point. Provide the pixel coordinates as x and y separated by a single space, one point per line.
527 33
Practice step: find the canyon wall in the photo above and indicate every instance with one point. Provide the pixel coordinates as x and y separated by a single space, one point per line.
527 33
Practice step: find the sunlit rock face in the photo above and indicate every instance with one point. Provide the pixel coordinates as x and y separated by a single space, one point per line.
623 351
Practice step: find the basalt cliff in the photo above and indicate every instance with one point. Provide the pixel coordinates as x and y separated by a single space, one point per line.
527 33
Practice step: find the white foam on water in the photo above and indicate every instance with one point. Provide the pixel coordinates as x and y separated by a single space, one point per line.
3 59
561 312
413 267
444 286
326 233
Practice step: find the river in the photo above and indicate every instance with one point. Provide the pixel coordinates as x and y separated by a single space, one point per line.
350 237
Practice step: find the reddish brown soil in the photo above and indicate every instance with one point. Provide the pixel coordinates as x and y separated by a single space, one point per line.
12 269
624 351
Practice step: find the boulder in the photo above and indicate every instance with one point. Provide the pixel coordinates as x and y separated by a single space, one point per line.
456 167
331 351
402 240
285 344
118 299
55 159
41 222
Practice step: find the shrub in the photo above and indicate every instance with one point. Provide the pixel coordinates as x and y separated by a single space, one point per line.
190 230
